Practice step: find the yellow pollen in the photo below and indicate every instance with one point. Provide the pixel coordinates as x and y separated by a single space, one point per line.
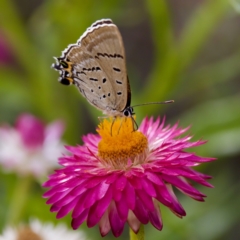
120 142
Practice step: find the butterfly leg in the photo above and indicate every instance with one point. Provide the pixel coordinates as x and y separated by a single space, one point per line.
134 124
121 124
114 118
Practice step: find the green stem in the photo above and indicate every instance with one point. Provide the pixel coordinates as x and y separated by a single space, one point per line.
139 235
18 200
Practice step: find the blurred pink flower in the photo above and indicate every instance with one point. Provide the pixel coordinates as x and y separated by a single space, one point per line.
30 147
122 175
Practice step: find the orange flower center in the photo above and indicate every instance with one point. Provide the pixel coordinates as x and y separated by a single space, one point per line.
120 145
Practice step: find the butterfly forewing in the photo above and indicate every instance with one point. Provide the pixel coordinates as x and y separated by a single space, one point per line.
96 65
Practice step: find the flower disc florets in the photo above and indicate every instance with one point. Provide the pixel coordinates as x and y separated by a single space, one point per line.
120 144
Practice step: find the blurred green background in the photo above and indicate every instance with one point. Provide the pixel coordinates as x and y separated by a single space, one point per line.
186 50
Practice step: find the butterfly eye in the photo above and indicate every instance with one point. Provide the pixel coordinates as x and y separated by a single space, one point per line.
128 112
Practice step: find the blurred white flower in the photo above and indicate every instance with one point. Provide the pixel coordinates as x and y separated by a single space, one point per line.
30 147
41 231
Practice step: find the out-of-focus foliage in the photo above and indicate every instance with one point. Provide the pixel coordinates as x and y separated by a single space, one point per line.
186 50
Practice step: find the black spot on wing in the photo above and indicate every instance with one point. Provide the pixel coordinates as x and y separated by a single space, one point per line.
79 73
119 93
118 82
96 69
116 69
93 79
90 69
104 80
109 55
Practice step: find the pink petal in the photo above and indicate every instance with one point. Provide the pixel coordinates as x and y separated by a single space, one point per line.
76 222
95 194
79 208
163 196
129 195
176 207
67 208
104 225
148 187
141 212
121 183
145 199
122 209
136 182
155 217
54 208
117 195
133 222
98 209
57 196
184 187
116 223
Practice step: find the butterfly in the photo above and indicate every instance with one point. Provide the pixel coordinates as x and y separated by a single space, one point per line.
96 65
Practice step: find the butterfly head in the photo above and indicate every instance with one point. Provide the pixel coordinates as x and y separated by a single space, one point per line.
128 112
64 67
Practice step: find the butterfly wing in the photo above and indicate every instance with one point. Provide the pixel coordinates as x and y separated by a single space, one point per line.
96 65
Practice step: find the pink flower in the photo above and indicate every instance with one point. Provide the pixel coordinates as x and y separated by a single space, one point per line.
30 147
122 176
